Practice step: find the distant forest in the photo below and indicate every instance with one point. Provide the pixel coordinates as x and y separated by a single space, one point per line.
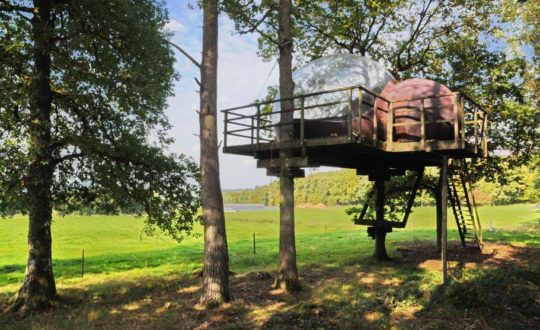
344 187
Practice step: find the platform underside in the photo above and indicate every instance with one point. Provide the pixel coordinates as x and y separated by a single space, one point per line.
356 154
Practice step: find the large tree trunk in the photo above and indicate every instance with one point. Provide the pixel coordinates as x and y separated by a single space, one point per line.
287 275
216 256
380 231
38 290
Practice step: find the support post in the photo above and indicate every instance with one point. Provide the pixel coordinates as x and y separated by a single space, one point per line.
438 203
444 218
380 230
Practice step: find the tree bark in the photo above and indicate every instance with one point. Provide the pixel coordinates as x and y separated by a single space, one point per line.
380 231
38 290
287 275
216 256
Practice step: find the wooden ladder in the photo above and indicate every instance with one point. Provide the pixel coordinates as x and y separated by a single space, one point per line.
461 197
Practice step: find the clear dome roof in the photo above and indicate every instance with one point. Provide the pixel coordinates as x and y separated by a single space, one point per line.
333 72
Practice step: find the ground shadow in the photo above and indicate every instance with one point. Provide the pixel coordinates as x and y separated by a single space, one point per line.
501 284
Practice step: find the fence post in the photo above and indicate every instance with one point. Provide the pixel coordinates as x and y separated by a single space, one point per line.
82 264
254 245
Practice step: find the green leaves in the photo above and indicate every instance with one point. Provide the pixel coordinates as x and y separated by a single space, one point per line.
111 73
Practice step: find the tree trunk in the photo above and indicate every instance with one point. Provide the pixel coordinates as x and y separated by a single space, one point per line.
380 231
444 218
287 275
38 289
438 203
216 256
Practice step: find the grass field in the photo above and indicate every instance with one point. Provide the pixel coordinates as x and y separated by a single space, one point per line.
117 255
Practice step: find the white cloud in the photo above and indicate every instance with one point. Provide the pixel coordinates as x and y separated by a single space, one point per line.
175 26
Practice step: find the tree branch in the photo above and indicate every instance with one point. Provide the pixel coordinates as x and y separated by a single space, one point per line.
185 54
67 157
7 6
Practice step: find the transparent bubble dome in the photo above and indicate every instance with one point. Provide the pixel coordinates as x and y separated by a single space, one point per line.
334 72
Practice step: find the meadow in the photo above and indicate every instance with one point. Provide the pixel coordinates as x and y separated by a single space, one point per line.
119 255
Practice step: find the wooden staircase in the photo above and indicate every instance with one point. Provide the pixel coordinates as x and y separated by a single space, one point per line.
461 197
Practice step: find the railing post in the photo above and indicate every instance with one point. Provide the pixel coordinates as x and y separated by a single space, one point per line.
422 125
475 123
302 124
225 133
456 123
350 115
462 105
360 96
375 125
258 124
390 128
252 130
485 134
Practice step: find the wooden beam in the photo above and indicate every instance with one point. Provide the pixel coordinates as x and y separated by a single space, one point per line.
287 162
376 172
444 219
292 172
375 223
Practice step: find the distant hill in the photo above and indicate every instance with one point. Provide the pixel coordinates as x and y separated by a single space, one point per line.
344 187
341 187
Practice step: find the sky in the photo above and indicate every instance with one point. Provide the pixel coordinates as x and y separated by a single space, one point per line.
242 78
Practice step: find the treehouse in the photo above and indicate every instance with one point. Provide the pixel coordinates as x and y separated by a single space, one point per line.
349 112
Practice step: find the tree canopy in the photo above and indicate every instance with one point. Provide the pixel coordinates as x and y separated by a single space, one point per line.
111 72
486 49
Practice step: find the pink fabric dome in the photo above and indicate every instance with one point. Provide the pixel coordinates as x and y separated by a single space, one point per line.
437 108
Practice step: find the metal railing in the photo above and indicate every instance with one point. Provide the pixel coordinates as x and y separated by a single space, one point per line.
256 124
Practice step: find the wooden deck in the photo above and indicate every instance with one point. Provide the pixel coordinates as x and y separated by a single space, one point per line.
254 131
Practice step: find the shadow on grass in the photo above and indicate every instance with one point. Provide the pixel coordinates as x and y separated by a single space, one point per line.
145 303
529 236
360 293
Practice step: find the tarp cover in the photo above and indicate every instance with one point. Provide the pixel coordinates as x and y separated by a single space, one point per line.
332 72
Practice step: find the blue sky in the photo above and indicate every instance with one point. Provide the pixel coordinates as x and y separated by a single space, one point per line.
241 79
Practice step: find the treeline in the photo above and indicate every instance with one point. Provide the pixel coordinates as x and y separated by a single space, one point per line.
344 187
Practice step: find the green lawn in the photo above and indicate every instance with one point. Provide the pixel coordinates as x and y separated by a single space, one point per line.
116 244
133 281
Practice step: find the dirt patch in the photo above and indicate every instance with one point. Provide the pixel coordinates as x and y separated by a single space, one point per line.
493 255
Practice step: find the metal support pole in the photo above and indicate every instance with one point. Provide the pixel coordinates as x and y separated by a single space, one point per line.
444 218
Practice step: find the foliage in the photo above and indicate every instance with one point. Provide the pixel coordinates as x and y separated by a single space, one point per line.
485 49
344 187
111 73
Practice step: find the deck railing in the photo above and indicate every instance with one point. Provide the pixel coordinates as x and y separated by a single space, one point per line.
258 124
